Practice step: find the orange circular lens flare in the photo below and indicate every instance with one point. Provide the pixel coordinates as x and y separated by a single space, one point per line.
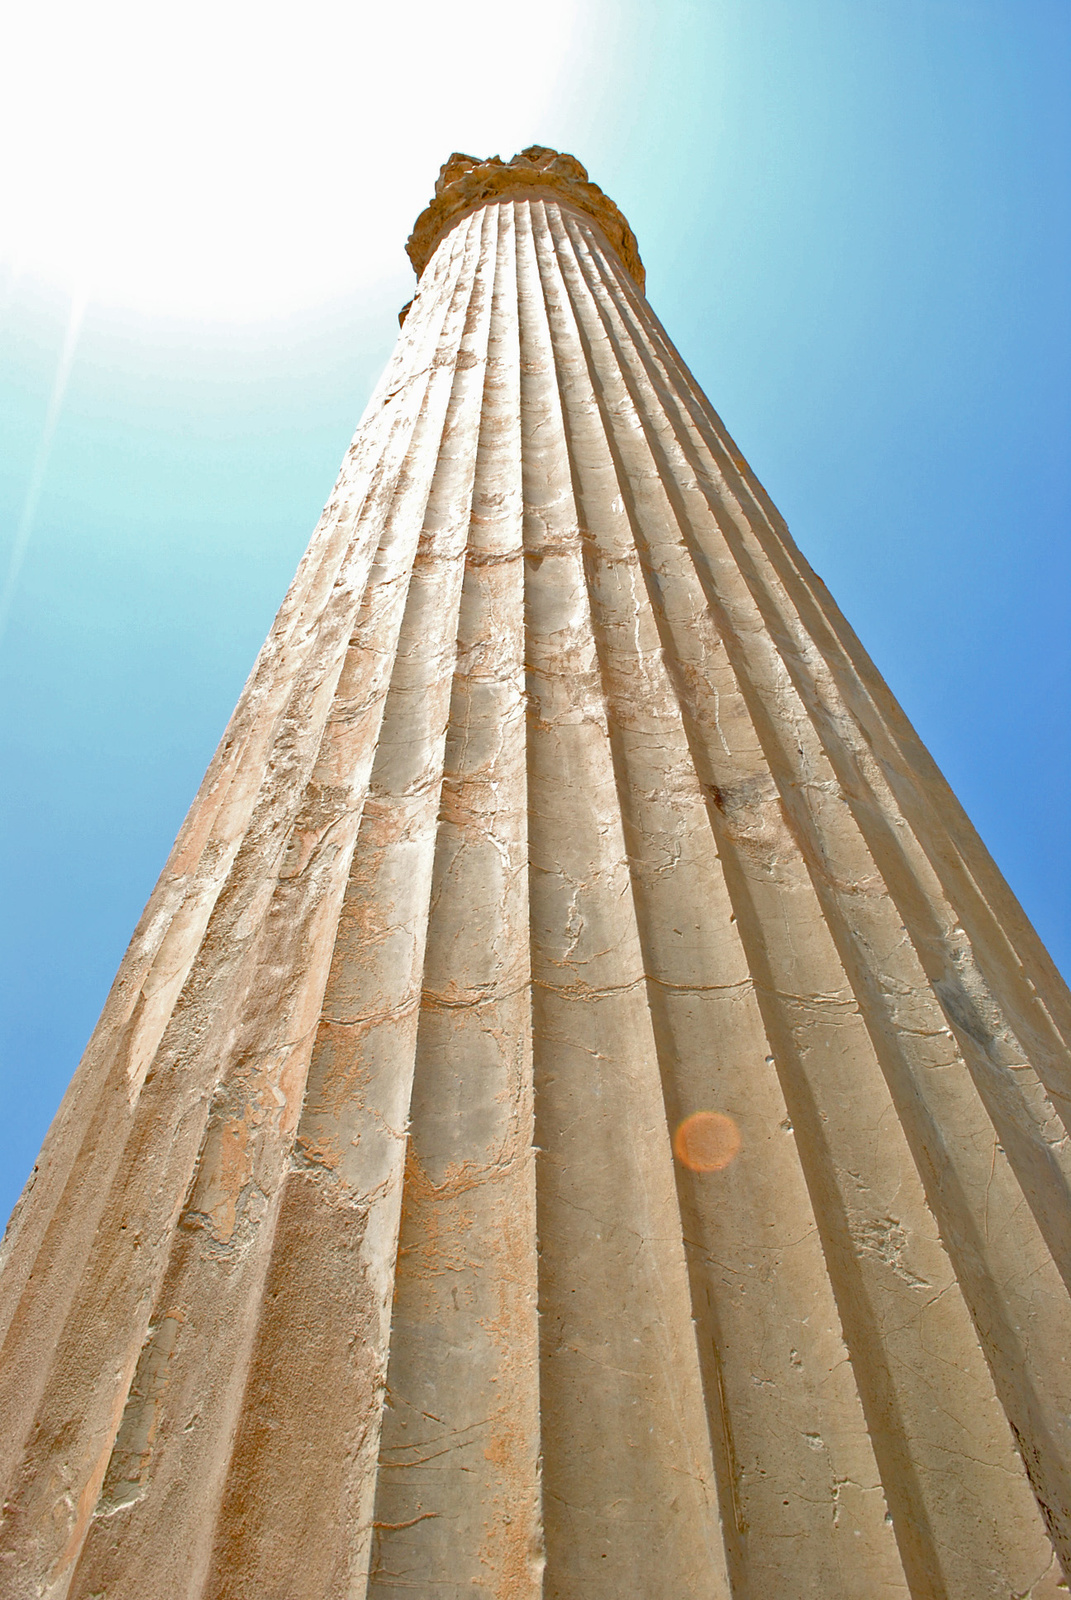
707 1141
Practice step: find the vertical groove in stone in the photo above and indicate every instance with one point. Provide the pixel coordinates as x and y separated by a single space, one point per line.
806 793
245 1052
1010 1144
629 1498
560 798
457 1503
87 1141
340 1196
1015 964
706 1032
730 721
173 922
1024 1119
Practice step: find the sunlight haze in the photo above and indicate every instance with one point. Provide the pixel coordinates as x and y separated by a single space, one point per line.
240 159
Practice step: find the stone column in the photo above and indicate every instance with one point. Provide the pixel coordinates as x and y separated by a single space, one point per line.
580 1115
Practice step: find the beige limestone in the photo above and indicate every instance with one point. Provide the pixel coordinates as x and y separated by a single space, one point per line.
561 805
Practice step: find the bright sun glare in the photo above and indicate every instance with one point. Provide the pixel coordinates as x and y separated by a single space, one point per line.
240 159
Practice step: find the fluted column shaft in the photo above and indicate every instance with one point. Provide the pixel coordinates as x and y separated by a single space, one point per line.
561 804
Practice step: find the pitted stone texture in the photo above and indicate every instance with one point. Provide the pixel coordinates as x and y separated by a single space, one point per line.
467 181
561 805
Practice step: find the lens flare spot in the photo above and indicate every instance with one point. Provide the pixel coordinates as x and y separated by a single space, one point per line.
707 1141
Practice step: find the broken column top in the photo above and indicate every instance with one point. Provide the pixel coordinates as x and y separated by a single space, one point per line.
465 182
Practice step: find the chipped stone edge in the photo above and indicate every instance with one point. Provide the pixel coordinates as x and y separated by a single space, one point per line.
465 182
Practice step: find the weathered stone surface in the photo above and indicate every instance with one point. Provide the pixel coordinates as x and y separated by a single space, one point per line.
367 1252
465 182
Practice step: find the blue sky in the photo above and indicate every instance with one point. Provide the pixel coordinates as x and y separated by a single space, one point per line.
855 219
